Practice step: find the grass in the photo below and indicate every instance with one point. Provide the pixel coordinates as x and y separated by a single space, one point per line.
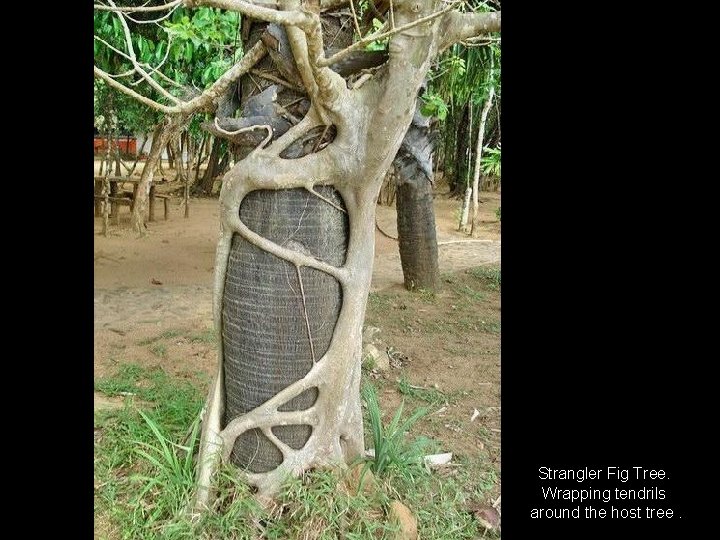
431 396
490 275
167 334
206 336
144 475
143 467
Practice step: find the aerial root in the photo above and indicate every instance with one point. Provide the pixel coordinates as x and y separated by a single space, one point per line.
311 189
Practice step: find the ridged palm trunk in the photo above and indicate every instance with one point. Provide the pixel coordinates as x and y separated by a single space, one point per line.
278 320
415 211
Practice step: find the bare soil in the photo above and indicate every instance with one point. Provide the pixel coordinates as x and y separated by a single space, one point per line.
153 301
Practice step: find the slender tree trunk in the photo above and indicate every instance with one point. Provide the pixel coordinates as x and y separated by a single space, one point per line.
118 170
137 157
460 150
478 157
178 161
465 209
203 146
106 190
162 134
212 170
169 150
466 170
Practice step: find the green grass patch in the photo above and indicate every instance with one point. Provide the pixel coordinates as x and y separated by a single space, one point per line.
167 334
159 350
144 477
205 336
431 396
489 275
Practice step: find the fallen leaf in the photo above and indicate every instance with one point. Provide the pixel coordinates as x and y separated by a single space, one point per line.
487 516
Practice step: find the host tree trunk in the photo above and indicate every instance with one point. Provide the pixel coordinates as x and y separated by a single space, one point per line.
415 210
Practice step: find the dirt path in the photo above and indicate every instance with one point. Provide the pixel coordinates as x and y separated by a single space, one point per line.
167 276
146 287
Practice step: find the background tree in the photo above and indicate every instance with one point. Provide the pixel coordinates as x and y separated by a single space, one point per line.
458 89
458 82
165 56
294 260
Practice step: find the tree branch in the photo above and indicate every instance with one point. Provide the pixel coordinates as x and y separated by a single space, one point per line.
291 18
461 26
163 7
212 94
132 93
382 35
133 59
206 100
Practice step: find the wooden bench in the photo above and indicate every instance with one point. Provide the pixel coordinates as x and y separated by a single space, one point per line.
166 202
115 202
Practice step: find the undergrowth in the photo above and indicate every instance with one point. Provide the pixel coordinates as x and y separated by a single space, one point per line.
144 476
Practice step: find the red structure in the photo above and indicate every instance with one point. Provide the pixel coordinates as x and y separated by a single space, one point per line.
127 145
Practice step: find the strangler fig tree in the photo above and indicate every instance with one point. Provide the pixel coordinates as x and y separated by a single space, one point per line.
294 260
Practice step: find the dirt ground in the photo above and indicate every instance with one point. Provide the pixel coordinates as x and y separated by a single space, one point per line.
153 299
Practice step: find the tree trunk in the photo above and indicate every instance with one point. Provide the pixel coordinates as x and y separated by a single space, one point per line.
137 157
294 262
200 158
118 170
415 210
467 143
457 153
208 180
478 157
169 150
162 134
465 213
266 298
178 161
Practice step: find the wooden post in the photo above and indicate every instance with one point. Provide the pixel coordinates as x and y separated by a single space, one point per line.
151 196
135 191
116 213
106 205
98 203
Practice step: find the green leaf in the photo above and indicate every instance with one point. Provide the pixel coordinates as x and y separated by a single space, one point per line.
160 51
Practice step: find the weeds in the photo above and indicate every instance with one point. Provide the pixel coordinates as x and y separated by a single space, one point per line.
205 336
170 478
144 476
159 350
490 275
392 452
431 396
